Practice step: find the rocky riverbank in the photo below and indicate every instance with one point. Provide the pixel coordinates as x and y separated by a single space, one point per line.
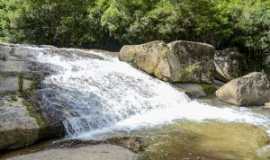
197 69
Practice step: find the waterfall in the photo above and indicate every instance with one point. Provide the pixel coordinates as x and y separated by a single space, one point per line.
100 94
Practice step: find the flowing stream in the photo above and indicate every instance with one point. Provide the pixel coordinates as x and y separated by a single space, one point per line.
98 95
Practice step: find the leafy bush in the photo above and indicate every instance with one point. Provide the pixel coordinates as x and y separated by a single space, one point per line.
112 23
250 25
8 13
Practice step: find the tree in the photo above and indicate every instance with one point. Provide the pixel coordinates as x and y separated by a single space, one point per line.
112 23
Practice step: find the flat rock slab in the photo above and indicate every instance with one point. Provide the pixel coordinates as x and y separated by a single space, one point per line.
95 152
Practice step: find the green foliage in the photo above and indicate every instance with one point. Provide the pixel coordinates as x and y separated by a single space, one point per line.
8 13
62 23
250 23
108 23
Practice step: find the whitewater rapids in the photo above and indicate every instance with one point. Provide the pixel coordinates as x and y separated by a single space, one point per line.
99 95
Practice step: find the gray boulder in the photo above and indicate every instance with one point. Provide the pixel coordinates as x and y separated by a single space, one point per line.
250 90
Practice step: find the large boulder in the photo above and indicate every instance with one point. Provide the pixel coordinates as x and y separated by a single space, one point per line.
178 61
230 64
250 90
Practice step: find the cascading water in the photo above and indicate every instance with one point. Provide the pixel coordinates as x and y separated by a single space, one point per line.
101 94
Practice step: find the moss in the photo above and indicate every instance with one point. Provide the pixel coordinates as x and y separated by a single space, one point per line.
208 89
187 72
26 94
206 141
33 112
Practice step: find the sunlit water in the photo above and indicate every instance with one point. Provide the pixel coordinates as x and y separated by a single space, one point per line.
101 95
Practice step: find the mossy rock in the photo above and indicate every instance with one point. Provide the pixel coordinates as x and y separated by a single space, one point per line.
206 141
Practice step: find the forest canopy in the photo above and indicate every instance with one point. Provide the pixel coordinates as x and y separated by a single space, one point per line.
112 23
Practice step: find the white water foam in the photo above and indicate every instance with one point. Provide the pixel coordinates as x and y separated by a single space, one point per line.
104 95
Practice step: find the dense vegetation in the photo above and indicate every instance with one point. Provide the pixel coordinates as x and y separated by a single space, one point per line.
112 23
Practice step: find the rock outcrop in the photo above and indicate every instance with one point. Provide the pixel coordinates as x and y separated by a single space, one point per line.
230 64
22 122
178 61
250 90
